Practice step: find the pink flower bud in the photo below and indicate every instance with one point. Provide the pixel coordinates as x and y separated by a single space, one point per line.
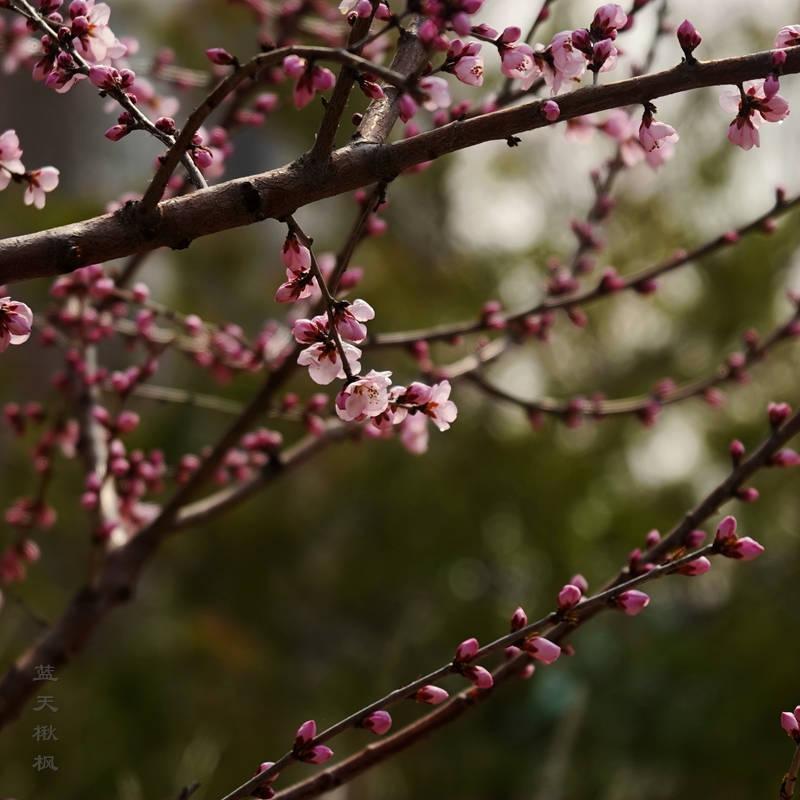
790 724
519 619
786 458
378 722
317 755
652 538
748 494
220 56
697 567
542 649
467 650
726 530
432 695
551 110
569 596
736 450
744 549
689 39
632 602
778 413
480 677
581 582
305 733
127 421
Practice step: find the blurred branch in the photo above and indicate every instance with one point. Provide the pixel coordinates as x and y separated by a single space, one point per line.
640 281
667 557
647 406
789 781
38 22
335 107
280 192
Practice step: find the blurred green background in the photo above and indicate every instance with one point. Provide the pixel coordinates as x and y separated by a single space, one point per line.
366 567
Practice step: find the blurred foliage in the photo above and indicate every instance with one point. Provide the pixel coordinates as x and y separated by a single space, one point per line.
363 569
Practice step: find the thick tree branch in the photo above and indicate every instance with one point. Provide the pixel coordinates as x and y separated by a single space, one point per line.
280 192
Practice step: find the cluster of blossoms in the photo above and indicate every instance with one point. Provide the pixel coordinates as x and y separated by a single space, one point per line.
568 55
330 352
84 34
753 103
37 182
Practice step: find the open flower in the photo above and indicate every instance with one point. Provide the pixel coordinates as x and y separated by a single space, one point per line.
16 320
757 102
94 40
10 155
350 320
40 181
364 398
325 365
788 36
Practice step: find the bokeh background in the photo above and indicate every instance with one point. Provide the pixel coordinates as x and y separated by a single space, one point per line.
366 567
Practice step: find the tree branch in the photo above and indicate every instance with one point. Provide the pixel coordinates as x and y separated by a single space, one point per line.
280 192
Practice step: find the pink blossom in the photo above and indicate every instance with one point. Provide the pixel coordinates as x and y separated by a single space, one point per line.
581 582
414 434
752 106
790 724
363 398
407 107
519 619
744 549
297 287
698 566
480 677
566 62
325 365
653 134
40 181
542 649
294 66
379 722
220 56
786 458
788 36
569 596
308 331
305 733
317 755
350 320
551 110
10 155
726 530
296 257
608 19
314 79
632 602
467 650
16 321
517 63
469 70
432 695
689 39
436 91
94 39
